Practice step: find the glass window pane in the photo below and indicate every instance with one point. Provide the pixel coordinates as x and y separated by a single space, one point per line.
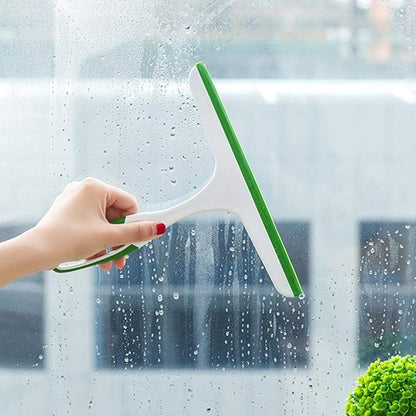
387 290
22 318
168 309
26 39
321 96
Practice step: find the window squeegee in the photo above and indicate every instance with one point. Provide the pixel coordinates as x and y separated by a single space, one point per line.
232 187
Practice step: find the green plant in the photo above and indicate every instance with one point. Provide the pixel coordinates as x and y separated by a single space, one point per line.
388 388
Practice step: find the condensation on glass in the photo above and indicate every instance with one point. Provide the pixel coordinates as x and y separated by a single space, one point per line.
318 96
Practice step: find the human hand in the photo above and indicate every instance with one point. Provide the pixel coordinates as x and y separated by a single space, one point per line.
77 224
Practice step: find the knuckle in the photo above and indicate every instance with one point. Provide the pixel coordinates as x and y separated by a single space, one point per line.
89 184
143 232
137 234
70 186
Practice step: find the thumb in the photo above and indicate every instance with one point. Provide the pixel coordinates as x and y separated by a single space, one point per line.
120 234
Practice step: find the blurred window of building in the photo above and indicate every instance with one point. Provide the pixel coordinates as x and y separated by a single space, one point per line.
21 317
170 310
387 325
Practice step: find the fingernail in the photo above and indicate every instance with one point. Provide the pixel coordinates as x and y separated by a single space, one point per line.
160 228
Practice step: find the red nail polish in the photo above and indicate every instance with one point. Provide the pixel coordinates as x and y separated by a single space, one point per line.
160 228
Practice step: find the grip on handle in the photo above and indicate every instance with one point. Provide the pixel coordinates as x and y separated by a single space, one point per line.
111 255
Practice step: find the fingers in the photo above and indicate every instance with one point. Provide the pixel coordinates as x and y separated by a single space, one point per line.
113 213
121 234
105 266
118 263
71 186
119 203
90 205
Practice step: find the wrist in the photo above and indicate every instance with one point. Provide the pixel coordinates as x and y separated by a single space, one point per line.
35 246
21 256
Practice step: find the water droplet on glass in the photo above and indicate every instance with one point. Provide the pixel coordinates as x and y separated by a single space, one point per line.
175 295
